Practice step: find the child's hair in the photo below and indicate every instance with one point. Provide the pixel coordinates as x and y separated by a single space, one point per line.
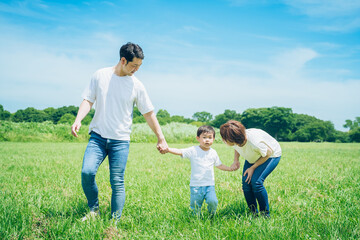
205 129
233 132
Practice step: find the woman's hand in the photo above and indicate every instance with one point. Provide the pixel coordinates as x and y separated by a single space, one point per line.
249 172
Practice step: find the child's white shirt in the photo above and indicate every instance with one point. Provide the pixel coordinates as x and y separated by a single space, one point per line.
202 165
258 142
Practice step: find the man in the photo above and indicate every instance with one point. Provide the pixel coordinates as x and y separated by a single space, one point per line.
114 91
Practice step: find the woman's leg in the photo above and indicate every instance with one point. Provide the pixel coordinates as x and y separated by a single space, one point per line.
248 191
257 183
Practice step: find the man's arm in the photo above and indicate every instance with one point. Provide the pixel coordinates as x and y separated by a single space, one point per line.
84 109
155 127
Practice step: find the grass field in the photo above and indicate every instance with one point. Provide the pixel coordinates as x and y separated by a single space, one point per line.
314 193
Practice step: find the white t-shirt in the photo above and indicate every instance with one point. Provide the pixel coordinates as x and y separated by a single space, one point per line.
257 144
114 98
202 165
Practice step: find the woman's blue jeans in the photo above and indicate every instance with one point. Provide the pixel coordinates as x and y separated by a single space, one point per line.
197 197
96 151
255 191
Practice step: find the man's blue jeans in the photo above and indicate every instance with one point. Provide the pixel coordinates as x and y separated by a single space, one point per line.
199 194
117 151
255 191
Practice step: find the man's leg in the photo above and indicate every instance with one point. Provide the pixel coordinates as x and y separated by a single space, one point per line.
95 154
118 155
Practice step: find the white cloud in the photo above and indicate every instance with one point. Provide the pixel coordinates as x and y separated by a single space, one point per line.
282 80
328 8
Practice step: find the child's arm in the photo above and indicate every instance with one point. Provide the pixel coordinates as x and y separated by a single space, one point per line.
175 151
224 167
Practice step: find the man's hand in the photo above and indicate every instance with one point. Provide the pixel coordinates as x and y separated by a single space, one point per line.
75 128
162 146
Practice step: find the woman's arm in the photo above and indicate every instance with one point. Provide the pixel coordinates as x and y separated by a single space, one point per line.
236 164
261 160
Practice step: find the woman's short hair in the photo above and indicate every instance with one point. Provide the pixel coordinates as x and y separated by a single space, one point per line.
233 132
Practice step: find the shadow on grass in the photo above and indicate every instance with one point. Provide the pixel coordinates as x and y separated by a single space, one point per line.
234 210
75 209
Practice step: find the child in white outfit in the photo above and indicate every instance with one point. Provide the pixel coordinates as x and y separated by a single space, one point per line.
203 159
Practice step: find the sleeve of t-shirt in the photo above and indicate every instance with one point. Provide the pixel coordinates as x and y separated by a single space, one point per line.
89 92
262 148
217 159
187 152
142 100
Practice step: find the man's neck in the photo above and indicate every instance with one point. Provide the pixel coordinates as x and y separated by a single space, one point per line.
117 70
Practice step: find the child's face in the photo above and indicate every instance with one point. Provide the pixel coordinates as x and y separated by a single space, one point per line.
206 140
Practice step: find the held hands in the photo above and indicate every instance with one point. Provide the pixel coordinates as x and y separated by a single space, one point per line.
162 146
235 166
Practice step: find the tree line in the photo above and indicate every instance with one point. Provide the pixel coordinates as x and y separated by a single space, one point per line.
280 122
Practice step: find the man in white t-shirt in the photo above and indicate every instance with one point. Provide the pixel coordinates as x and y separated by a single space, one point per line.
113 91
203 158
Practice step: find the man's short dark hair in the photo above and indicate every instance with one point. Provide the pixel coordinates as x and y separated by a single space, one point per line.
205 129
131 50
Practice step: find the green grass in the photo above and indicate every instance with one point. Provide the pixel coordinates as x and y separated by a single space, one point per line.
314 193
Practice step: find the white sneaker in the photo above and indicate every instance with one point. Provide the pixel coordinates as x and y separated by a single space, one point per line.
91 216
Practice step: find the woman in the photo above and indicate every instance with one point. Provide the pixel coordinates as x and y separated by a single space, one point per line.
262 154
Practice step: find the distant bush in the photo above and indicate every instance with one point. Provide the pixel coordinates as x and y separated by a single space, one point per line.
48 132
39 132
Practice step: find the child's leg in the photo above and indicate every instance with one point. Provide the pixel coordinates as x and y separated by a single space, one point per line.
211 199
197 195
248 190
257 182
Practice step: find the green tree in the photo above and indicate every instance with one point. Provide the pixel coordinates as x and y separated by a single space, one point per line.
223 118
203 116
62 111
67 118
354 134
276 121
163 117
352 124
30 114
4 115
308 128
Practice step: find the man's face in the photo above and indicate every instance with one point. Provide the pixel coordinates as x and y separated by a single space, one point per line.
129 68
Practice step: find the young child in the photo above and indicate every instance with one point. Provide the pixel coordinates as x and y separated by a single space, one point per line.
262 154
203 159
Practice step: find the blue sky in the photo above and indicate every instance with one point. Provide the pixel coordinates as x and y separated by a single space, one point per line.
199 55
